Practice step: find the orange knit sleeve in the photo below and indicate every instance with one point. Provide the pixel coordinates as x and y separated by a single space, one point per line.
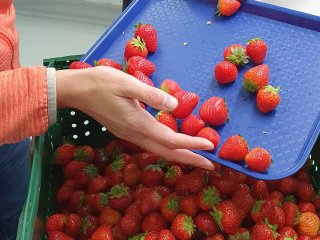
23 103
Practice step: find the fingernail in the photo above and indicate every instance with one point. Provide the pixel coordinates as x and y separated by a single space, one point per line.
170 103
209 145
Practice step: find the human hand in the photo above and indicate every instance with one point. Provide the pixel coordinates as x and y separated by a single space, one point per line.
111 97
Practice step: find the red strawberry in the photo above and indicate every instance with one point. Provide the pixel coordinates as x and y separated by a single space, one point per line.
257 50
130 225
82 178
258 159
187 101
84 153
100 201
118 234
151 200
236 54
317 201
191 125
57 235
112 147
162 190
135 47
85 211
73 225
102 233
73 167
147 236
207 198
227 216
152 175
276 196
218 236
226 186
108 63
307 207
97 184
132 175
235 148
172 175
206 224
183 227
287 233
169 207
167 119
88 227
63 196
56 222
240 234
165 234
256 78
276 216
76 200
214 111
288 185
259 190
153 222
144 159
120 197
129 147
188 205
143 78
268 98
135 210
210 134
264 231
64 154
292 214
79 65
170 86
227 7
149 34
243 199
139 63
194 181
225 72
109 217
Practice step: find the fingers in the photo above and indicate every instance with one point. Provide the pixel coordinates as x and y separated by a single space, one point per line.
178 155
154 97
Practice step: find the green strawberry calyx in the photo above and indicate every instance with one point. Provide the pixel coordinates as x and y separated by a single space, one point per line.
104 199
253 40
211 196
217 217
84 225
273 228
290 198
257 205
118 191
173 204
296 218
162 163
138 237
188 226
81 155
139 43
250 85
290 238
272 89
241 236
171 173
238 56
153 167
117 164
91 170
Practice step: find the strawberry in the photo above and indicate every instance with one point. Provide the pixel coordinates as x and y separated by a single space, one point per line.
132 175
130 225
268 98
120 197
214 111
135 210
257 50
84 153
170 86
227 7
240 234
235 148
172 175
169 207
287 233
118 234
207 198
73 225
165 234
317 201
259 190
153 222
276 196
56 222
108 63
236 54
306 207
188 205
167 119
256 78
194 181
162 190
206 224
139 63
85 211
227 216
264 231
129 147
183 227
187 101
147 236
210 134
57 235
292 214
88 227
152 175
97 184
100 201
73 167
77 200
143 78
144 159
225 72
109 217
226 186
258 159
276 216
243 199
112 147
79 65
233 174
64 154
191 125
135 47
218 236
151 200
101 160
82 178
63 196
102 233
288 185
149 34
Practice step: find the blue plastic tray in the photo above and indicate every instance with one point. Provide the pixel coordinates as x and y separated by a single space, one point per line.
293 57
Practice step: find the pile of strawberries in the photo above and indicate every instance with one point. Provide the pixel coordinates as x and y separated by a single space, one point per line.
122 192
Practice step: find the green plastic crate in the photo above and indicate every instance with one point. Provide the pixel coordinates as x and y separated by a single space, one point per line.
46 177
